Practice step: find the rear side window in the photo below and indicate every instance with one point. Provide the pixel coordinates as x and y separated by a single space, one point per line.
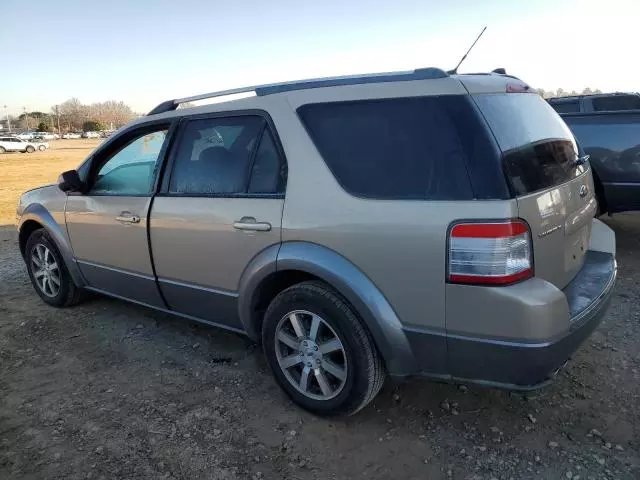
616 103
572 106
222 156
404 148
539 150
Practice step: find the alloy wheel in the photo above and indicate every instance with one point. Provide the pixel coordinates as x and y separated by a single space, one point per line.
311 355
46 270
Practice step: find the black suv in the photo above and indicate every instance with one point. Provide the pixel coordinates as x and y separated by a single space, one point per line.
607 126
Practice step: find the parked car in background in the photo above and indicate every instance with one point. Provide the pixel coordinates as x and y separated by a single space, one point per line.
612 140
26 135
460 245
71 135
601 102
15 144
91 135
46 135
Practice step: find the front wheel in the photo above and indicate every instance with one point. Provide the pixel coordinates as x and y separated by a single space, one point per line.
48 272
3 150
42 148
30 149
319 352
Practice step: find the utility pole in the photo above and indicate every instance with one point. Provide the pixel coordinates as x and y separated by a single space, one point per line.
26 117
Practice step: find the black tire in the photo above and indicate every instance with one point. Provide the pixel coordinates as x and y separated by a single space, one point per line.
365 374
2 150
69 293
600 198
42 148
30 149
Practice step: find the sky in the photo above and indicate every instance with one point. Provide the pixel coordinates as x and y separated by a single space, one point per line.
143 52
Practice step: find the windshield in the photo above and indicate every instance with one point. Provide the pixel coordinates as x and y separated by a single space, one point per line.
539 150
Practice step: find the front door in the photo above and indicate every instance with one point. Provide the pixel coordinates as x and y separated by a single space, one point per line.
108 225
221 207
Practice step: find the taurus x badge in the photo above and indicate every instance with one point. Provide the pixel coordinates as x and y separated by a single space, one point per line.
583 191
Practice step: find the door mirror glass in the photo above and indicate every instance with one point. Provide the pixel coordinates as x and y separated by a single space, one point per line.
69 181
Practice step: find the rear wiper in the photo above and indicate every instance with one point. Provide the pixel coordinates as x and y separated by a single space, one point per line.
581 160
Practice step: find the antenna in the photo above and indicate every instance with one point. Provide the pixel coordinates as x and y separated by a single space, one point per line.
455 70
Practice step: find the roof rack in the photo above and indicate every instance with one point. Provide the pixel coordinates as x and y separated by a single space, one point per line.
268 89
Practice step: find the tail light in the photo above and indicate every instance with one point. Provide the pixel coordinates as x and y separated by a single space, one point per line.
490 253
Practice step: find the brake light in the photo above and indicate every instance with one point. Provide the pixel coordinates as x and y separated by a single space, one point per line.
490 253
517 88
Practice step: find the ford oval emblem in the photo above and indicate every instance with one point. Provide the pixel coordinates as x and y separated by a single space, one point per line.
583 191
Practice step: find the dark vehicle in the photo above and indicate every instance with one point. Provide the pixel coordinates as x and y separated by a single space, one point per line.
612 140
601 102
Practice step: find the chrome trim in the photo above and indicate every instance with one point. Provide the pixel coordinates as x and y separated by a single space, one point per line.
549 232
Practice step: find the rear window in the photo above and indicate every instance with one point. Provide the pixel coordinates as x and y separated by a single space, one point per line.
403 148
539 150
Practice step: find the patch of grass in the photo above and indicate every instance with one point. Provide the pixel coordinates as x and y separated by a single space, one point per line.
22 171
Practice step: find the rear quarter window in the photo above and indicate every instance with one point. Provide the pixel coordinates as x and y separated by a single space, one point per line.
403 148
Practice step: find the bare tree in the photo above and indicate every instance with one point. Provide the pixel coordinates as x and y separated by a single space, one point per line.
112 114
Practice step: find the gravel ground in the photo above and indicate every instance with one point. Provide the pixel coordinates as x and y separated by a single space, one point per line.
109 390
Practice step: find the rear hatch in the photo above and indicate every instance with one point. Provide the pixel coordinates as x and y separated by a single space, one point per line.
552 184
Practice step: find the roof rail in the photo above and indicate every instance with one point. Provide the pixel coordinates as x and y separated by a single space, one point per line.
268 89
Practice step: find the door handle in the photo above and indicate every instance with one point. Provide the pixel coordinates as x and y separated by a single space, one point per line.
126 217
250 224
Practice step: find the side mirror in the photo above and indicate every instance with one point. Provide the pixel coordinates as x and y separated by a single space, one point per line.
69 181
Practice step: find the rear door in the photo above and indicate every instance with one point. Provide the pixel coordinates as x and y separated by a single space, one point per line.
552 185
220 207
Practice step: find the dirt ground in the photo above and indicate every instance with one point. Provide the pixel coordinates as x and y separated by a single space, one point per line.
110 390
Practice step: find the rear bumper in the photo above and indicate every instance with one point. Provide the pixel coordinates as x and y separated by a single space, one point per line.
522 365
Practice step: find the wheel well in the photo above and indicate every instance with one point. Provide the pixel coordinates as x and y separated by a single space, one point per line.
26 230
269 288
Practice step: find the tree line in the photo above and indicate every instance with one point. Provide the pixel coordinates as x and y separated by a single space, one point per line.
564 93
74 116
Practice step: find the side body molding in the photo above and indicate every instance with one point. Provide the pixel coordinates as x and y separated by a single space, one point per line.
38 213
374 309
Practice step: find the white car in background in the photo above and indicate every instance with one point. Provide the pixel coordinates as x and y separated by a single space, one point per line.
91 135
72 135
46 135
16 144
26 135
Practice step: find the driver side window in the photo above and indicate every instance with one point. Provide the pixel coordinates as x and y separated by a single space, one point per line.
132 169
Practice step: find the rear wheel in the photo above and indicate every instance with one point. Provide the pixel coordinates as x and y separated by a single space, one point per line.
48 272
30 149
599 191
319 352
2 150
42 148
